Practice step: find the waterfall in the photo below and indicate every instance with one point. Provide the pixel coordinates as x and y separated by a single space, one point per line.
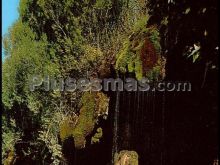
137 114
134 115
163 127
129 117
115 131
140 126
142 112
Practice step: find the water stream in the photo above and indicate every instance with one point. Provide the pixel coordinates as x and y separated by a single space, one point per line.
116 123
139 125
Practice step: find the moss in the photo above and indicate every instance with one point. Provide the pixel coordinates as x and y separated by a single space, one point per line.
79 140
138 68
96 138
93 106
141 24
126 158
129 61
86 121
123 57
140 52
66 128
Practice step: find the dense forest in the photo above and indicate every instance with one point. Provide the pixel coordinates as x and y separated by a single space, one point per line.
174 40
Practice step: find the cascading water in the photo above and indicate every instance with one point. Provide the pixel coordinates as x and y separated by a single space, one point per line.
139 125
163 128
116 122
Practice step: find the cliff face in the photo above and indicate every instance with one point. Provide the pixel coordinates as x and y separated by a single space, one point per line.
140 54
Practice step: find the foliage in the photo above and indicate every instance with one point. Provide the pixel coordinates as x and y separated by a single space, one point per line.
90 60
28 58
193 52
9 137
141 46
50 133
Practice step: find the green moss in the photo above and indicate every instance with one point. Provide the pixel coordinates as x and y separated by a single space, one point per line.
129 57
131 65
66 129
129 60
126 158
86 120
141 24
96 138
79 140
138 68
123 57
93 105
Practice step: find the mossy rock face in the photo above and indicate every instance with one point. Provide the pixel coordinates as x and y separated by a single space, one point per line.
93 106
79 141
126 158
66 128
141 53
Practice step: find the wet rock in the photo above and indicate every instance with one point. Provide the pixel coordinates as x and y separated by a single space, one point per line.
126 158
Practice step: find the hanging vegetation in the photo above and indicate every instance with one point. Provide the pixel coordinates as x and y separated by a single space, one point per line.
141 53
